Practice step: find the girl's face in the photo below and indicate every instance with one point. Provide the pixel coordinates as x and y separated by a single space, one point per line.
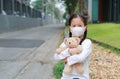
77 27
76 22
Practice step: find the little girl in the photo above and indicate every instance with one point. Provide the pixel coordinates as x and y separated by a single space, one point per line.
78 28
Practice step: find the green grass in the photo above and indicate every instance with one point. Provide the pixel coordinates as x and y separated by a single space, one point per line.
108 33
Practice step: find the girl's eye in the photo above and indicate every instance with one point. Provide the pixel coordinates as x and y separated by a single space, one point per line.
73 25
79 25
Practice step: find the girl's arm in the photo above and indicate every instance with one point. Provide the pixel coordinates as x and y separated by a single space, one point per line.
63 54
87 49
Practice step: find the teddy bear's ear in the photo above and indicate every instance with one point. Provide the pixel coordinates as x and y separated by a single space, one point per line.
65 40
78 40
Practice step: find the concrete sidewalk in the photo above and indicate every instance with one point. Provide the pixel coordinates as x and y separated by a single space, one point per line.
41 62
37 63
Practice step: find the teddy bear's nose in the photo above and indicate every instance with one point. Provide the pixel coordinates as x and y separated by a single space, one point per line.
69 42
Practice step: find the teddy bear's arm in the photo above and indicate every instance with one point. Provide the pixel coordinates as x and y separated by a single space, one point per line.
62 55
59 50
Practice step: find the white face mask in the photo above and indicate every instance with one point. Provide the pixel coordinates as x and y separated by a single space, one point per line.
77 31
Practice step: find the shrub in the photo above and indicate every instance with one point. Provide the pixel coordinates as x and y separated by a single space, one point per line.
58 69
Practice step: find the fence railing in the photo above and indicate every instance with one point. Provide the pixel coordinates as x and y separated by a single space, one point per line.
17 8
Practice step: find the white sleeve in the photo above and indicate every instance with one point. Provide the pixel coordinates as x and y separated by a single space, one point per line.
63 54
87 49
63 45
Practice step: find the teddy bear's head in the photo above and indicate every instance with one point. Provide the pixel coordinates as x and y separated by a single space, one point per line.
72 42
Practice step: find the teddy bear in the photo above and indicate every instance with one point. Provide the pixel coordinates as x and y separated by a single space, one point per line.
72 43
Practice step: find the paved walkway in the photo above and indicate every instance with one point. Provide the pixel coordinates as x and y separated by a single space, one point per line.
28 54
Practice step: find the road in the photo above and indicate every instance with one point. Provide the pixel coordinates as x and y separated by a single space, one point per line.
28 54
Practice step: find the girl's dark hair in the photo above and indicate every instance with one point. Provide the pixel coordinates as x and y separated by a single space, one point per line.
84 21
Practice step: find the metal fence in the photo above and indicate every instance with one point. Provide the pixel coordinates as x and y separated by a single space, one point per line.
16 8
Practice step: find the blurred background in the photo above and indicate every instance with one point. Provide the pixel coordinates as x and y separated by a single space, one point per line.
17 13
21 14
